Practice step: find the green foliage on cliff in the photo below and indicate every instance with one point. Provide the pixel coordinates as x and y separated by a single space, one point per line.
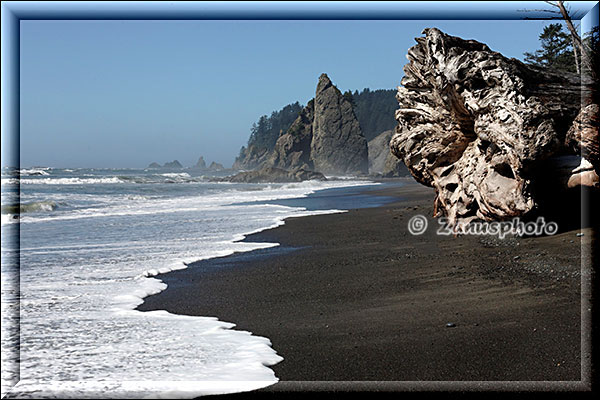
267 130
375 110
348 96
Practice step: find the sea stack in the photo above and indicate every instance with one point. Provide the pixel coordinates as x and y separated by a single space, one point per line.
173 165
215 166
326 136
201 164
338 145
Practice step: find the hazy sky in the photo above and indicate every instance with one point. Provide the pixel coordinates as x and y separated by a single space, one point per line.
126 93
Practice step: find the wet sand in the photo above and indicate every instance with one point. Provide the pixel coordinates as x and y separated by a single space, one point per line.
354 299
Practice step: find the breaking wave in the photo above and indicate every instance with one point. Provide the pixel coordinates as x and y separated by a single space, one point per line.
151 179
70 181
36 206
11 212
42 171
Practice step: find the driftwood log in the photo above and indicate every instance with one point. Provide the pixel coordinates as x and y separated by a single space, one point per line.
484 129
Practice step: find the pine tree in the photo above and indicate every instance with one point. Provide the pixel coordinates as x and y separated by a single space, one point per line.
556 51
265 132
375 110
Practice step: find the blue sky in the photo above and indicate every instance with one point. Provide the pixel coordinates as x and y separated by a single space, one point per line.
126 93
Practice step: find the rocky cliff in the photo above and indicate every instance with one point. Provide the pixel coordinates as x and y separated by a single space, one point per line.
478 126
251 157
273 174
293 149
381 159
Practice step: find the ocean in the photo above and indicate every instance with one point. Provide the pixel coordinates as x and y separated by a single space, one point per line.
86 250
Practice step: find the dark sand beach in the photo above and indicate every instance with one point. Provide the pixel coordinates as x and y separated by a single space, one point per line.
355 297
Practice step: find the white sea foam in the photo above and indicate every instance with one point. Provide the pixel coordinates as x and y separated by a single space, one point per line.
71 181
176 174
42 171
10 181
84 269
9 219
158 389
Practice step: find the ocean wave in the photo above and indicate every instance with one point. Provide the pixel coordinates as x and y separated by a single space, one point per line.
36 206
91 179
70 181
133 179
137 197
36 171
10 181
10 219
177 174
161 178
136 204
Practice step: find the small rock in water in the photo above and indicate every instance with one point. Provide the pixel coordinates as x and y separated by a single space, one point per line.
450 325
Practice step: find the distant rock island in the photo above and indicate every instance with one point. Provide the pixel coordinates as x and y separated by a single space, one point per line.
173 164
169 165
200 165
214 166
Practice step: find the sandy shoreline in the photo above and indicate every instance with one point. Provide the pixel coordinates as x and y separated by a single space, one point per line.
356 297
